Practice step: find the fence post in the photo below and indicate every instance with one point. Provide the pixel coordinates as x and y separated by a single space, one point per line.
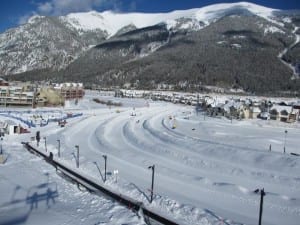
77 161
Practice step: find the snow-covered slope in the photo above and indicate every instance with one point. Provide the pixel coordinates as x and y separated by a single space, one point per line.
55 42
111 22
206 169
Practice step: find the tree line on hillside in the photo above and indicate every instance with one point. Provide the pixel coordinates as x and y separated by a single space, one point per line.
230 53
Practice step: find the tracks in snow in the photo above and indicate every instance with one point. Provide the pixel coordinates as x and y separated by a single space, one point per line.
183 161
284 51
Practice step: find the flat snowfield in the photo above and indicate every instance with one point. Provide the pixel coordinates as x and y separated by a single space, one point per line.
206 169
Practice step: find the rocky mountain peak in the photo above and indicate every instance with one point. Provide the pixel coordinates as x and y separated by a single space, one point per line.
123 47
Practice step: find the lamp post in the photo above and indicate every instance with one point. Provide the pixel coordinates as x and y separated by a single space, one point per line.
285 133
152 184
45 139
77 161
58 148
105 159
262 194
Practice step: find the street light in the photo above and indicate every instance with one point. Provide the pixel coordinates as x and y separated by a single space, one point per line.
285 133
45 143
262 194
105 159
77 161
58 148
153 169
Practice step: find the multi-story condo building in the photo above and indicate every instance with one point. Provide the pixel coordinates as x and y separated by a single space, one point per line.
16 96
70 90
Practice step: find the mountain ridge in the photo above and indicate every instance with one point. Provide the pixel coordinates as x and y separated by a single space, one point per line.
111 21
76 47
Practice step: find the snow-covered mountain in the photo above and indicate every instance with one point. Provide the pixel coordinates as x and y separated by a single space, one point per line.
112 22
44 42
48 42
54 43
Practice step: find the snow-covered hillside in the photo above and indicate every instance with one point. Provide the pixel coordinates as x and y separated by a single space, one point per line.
111 22
53 43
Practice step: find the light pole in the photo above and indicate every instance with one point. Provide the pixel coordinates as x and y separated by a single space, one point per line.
45 143
77 161
105 159
58 148
285 133
153 169
262 194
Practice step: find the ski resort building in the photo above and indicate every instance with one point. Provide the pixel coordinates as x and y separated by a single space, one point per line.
20 94
70 90
284 113
3 82
16 96
9 127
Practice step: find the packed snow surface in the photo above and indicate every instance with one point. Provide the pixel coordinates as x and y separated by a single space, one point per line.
206 169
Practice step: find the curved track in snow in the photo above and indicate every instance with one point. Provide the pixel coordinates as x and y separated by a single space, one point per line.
209 164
